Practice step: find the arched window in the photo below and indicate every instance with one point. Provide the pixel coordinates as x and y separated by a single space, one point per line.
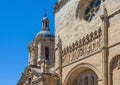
92 9
47 53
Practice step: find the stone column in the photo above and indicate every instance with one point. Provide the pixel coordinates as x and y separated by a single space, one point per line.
30 49
104 17
60 59
39 51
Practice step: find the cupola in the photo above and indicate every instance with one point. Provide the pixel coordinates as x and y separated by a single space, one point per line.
45 30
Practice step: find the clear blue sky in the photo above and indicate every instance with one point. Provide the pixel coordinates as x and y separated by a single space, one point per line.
20 20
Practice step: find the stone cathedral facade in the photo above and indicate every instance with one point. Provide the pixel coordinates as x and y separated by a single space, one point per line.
89 32
85 49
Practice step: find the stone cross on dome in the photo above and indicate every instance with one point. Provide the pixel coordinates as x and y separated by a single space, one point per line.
45 14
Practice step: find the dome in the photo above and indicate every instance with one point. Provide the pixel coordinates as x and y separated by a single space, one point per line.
45 33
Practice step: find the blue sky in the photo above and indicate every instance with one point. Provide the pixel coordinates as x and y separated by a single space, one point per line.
20 21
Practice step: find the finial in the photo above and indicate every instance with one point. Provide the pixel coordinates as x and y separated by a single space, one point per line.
103 11
45 13
59 43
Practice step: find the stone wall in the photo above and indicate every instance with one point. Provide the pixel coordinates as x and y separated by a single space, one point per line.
72 29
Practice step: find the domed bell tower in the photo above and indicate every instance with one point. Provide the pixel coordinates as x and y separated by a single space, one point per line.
42 47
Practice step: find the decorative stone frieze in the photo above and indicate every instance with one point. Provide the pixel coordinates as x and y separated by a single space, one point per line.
83 47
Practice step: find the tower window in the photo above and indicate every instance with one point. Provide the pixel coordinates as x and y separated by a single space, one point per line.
47 53
46 24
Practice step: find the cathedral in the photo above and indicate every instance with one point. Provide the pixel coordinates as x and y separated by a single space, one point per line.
85 49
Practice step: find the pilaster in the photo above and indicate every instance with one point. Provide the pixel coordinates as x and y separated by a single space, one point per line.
105 26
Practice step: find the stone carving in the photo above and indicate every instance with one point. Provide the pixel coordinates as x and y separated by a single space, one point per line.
83 47
59 43
80 9
118 63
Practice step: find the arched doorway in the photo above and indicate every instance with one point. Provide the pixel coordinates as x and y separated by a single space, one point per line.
115 71
82 76
87 77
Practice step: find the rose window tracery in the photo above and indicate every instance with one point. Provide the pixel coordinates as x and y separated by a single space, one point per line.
92 9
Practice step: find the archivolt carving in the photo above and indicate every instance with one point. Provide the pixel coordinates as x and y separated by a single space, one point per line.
116 63
115 70
83 47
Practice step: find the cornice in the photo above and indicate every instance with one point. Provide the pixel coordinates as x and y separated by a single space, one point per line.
41 38
59 5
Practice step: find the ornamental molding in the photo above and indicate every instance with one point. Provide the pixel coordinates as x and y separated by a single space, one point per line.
114 13
86 46
33 44
41 38
59 4
116 63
